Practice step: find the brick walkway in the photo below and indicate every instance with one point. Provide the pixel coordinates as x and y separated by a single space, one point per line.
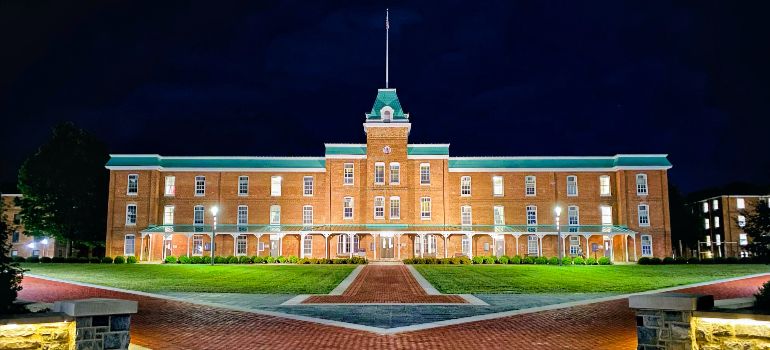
384 284
164 324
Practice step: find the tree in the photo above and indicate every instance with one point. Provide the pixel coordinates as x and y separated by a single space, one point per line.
64 187
10 272
758 228
685 225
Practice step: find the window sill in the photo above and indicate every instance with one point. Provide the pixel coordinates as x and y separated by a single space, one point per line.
395 183
425 219
132 194
498 195
200 195
132 225
307 195
243 195
169 195
395 218
422 184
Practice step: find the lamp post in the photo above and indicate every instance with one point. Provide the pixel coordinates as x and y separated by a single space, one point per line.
557 211
214 211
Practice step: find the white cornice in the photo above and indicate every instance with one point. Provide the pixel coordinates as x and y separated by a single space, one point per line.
490 170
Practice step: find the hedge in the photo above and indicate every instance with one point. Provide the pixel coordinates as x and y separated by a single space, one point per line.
694 260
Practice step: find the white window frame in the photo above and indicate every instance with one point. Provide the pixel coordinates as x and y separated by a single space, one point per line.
135 187
498 186
275 219
605 217
343 244
199 209
243 185
243 215
238 240
465 186
395 173
716 222
170 186
530 185
308 186
643 214
348 174
572 186
347 208
276 182
605 186
168 215
395 208
379 208
131 217
642 188
200 186
573 212
705 207
132 251
707 223
498 215
533 245
307 246
425 214
379 173
197 245
425 174
465 245
307 215
740 203
646 246
531 216
466 215
574 245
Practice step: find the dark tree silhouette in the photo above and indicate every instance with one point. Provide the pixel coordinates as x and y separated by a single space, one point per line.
758 228
64 187
10 272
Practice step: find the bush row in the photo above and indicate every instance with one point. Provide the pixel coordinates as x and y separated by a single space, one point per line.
74 260
260 260
693 260
540 260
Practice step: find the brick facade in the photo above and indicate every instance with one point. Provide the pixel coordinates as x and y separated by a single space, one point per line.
387 143
24 245
720 219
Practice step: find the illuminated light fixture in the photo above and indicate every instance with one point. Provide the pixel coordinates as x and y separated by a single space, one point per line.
557 210
31 245
44 241
214 210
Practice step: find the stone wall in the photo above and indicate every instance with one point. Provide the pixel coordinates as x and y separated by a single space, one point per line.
40 331
714 331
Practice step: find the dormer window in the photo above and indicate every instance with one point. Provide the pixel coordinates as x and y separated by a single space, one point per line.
386 113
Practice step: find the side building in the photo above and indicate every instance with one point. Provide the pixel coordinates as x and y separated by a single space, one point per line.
388 199
21 244
724 218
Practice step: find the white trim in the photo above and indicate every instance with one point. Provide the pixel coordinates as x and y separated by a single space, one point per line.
393 123
128 185
491 170
427 145
428 156
344 145
560 157
346 156
136 214
214 170
124 244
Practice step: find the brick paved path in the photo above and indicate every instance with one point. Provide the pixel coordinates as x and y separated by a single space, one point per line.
164 324
385 284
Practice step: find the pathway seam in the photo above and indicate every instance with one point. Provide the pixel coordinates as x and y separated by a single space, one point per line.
343 286
412 328
426 286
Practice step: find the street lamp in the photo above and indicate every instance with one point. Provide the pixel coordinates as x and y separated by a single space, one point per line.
557 211
214 211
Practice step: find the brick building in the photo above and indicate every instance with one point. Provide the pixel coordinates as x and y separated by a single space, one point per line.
22 244
388 199
723 220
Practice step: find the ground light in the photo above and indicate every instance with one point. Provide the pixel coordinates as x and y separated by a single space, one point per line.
214 211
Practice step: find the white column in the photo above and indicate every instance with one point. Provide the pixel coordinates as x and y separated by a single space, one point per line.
470 245
280 244
374 240
350 235
540 245
398 246
301 245
634 238
504 252
259 239
326 245
188 245
141 247
150 244
494 245
235 244
446 242
625 245
421 237
564 245
517 235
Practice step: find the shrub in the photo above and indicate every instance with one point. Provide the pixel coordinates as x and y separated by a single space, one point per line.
680 260
763 297
566 260
430 260
693 260
464 260
504 259
220 260
71 260
707 261
82 260
258 259
132 259
604 261
233 260
643 261
591 261
106 260
528 260
244 260
280 259
408 261
196 260
731 260
541 260
292 259
57 260
478 259
515 260
668 260
579 260
182 259
270 260
489 260
45 260
33 259
206 259
18 259
120 260
553 261
745 260
169 259
655 261
95 260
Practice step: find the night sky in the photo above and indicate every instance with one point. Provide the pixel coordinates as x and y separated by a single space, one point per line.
691 79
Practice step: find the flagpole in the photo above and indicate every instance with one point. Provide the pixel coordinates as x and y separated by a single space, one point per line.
387 32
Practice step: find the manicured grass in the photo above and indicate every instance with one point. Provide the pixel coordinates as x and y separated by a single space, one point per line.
574 279
257 279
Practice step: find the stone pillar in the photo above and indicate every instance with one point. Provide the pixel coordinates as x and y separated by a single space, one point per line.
663 320
100 323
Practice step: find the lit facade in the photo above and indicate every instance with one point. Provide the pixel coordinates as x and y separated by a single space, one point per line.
21 244
723 219
388 199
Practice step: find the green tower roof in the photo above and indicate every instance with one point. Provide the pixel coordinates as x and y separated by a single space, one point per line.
387 97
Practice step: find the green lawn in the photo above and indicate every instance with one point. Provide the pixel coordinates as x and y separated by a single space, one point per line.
571 279
278 279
